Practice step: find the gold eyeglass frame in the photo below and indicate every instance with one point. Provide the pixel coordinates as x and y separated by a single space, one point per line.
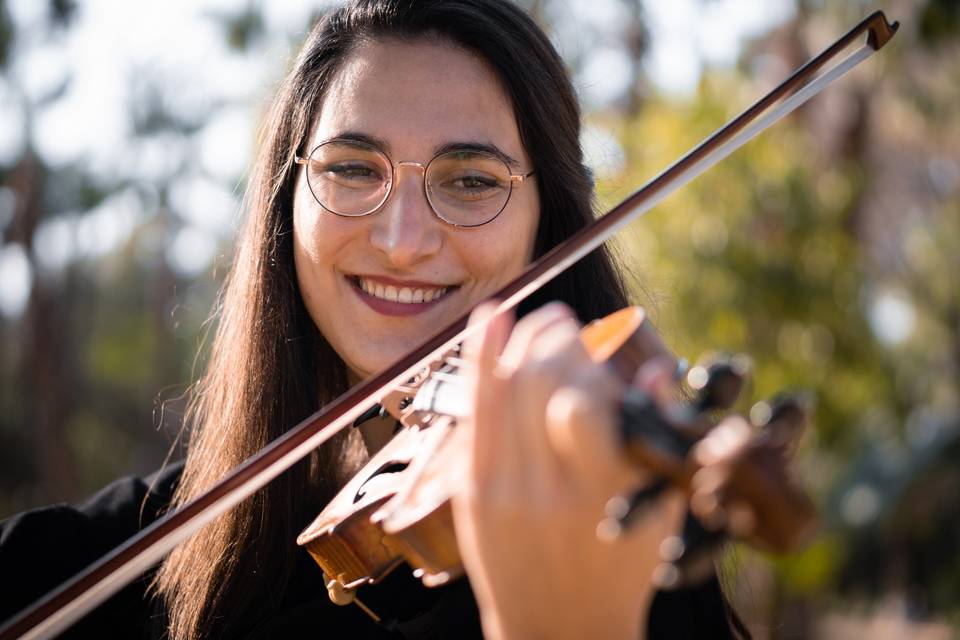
515 178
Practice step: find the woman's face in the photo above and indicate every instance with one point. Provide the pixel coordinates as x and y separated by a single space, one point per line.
358 275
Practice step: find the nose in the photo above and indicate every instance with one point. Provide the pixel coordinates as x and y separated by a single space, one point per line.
405 230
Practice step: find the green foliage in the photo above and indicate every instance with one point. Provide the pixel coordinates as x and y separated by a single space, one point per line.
759 258
241 29
103 448
813 570
772 253
940 21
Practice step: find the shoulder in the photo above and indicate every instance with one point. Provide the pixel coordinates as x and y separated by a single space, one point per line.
119 509
41 548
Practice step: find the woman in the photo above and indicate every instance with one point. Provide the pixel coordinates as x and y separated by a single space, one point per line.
416 158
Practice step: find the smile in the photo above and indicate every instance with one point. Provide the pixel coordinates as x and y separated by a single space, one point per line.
395 298
403 295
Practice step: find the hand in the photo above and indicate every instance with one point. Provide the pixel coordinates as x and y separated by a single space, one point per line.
744 482
542 462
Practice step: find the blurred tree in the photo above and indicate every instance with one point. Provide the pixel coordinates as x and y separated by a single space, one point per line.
823 252
44 355
102 334
6 33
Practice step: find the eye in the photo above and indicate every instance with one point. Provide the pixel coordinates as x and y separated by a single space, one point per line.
353 173
474 182
470 186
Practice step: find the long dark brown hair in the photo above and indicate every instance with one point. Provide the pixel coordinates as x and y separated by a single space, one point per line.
269 366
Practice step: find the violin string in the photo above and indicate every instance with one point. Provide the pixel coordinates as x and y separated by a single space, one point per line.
447 377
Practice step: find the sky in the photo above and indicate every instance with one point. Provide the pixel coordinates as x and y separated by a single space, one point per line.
113 46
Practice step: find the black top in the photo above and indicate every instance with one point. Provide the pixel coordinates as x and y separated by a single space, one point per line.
42 548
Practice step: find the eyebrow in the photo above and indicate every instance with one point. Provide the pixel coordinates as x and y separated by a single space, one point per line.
472 145
447 147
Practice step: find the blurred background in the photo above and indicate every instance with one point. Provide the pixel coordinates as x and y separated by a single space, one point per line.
828 250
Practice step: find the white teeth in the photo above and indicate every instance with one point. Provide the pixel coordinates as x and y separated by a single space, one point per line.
403 295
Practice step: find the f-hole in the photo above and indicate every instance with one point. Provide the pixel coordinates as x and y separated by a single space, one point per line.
389 467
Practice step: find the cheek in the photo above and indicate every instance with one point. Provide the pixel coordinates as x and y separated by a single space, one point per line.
304 264
306 254
315 242
506 248
318 235
523 225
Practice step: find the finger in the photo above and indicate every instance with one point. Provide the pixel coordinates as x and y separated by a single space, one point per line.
477 328
723 443
708 492
785 429
516 349
581 419
552 356
655 377
483 351
742 519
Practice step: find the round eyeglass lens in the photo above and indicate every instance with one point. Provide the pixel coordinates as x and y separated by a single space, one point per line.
348 178
468 188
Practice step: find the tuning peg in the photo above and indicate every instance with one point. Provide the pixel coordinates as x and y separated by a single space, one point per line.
783 419
719 383
795 406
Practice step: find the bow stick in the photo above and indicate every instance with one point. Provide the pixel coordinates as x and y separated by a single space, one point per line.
60 608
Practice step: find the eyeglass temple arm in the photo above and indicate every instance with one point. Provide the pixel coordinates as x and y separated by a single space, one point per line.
520 177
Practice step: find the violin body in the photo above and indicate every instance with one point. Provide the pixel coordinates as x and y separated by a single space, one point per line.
342 539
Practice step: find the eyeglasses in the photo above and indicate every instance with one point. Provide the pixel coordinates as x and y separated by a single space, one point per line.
465 188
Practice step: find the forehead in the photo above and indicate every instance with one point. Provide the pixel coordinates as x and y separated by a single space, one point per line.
416 96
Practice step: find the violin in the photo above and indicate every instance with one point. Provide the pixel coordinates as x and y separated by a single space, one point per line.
665 451
398 507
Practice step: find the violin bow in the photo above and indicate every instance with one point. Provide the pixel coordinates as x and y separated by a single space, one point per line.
63 606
